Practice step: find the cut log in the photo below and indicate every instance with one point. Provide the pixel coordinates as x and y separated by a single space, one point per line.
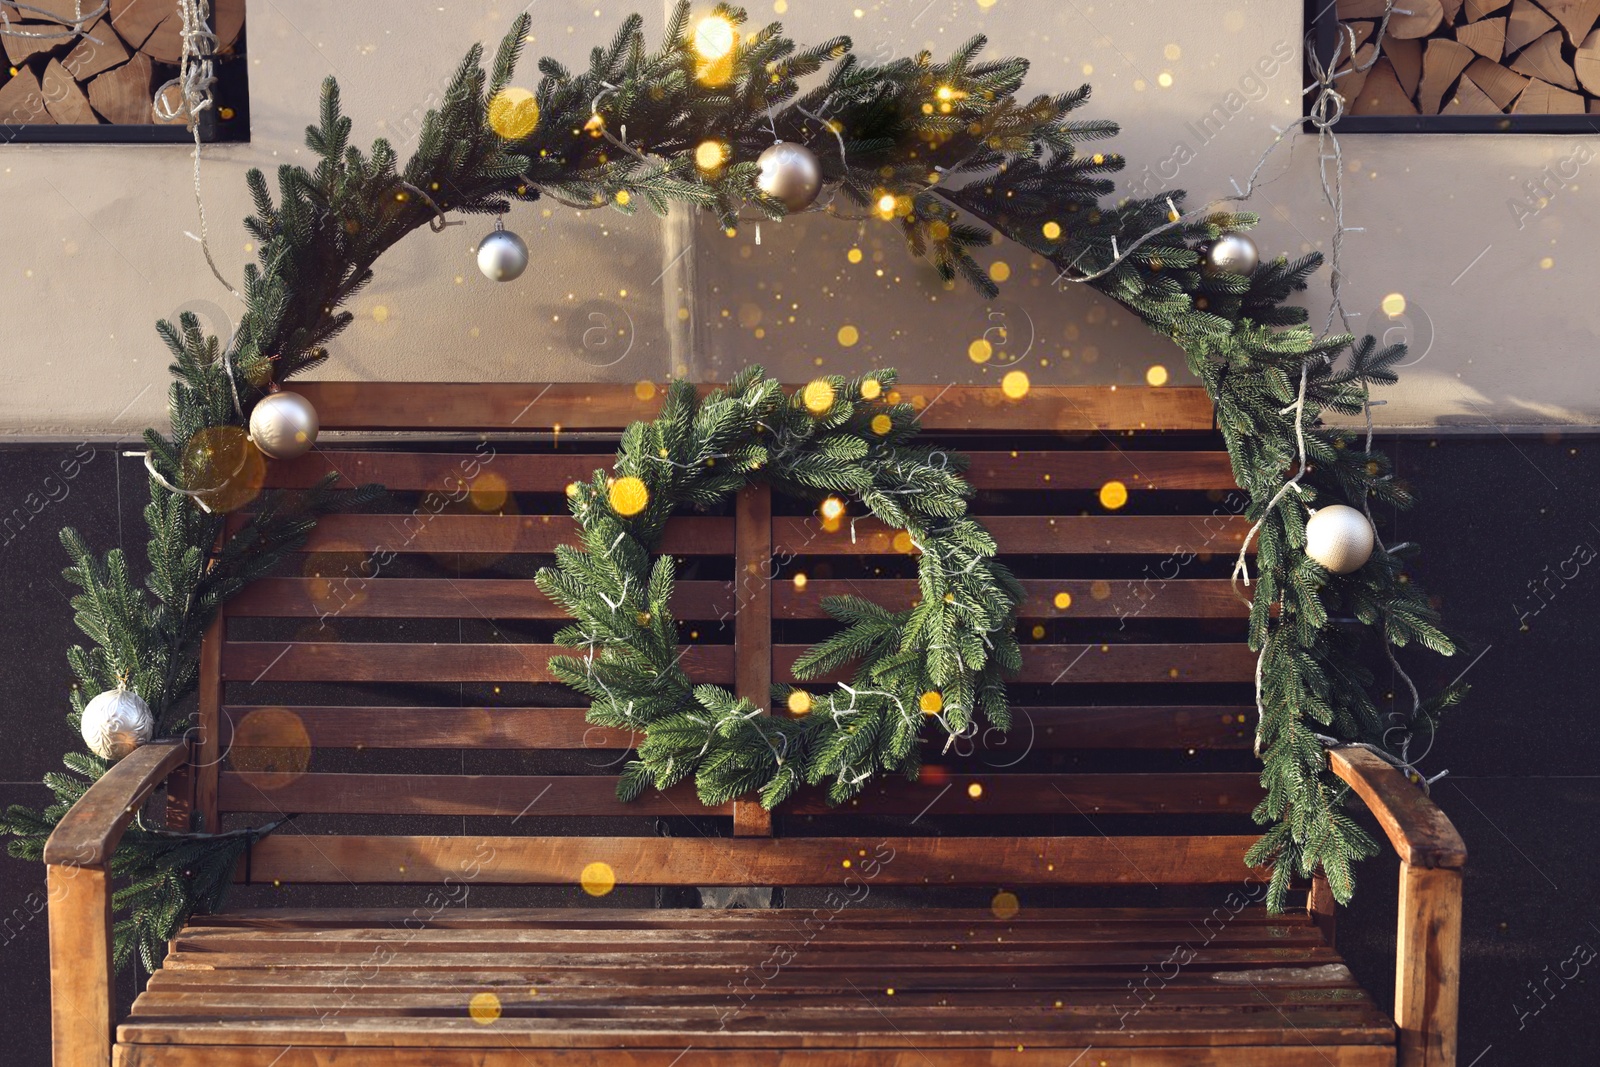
1577 17
1487 38
1425 17
1542 98
1502 86
1452 8
136 20
64 12
1382 95
96 56
1477 9
21 49
1406 57
124 94
1542 60
64 98
1470 100
1444 62
1527 22
165 43
21 101
1587 62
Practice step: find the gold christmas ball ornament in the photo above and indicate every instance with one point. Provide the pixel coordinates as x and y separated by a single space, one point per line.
283 425
502 255
629 496
513 113
1340 538
116 722
1232 253
791 174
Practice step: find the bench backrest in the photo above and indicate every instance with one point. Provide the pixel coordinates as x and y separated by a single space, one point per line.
391 690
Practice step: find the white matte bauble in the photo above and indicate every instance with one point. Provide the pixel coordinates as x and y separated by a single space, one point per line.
1340 538
502 255
1233 253
283 425
116 722
790 173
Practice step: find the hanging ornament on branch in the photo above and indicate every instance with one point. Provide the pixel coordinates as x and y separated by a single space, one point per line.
283 425
790 173
1340 538
502 255
1232 253
116 722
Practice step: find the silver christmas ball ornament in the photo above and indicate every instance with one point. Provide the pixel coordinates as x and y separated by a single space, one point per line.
502 255
283 424
790 173
116 722
1340 538
1232 253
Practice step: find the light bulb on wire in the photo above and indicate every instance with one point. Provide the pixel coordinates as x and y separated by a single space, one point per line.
714 37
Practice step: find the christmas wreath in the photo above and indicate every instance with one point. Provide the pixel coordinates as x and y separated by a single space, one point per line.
943 658
716 118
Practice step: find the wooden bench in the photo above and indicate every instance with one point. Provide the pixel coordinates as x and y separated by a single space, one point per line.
1071 893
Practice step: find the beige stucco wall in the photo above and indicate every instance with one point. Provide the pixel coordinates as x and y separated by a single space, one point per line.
95 244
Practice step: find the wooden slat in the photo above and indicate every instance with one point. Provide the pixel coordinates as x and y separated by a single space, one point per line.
487 728
1065 469
530 406
450 794
333 661
456 473
939 794
207 745
1149 598
1421 833
944 793
1427 976
299 1055
752 575
451 473
493 535
1092 860
1066 535
1033 728
82 997
432 598
1081 664
87 835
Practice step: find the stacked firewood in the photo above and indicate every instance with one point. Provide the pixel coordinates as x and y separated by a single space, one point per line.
83 62
1472 57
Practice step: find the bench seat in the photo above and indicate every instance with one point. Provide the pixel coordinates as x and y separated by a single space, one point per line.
491 987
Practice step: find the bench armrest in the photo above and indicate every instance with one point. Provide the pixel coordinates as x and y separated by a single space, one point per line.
1418 830
1427 977
78 878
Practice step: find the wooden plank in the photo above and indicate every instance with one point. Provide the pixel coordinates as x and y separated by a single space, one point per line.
454 473
532 406
1066 535
998 794
493 535
752 637
1116 726
486 728
946 793
1081 664
1427 979
433 598
1093 860
1077 469
82 1005
286 1055
334 661
1149 597
861 1027
450 794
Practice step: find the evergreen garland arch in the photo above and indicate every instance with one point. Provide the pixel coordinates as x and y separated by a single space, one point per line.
948 152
